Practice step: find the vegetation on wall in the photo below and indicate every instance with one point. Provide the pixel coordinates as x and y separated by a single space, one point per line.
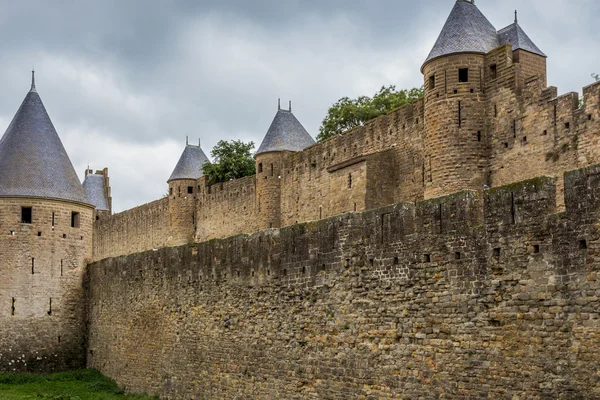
232 160
348 113
596 77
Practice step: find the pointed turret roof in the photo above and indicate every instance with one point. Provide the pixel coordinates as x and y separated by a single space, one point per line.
286 133
467 30
33 160
516 36
95 189
190 163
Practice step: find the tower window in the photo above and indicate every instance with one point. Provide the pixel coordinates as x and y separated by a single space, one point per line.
493 71
260 168
26 215
349 181
463 75
170 191
272 169
190 189
74 219
432 82
479 136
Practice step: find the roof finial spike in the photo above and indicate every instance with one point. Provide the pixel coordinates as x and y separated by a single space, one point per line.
199 142
290 106
279 103
33 79
186 141
516 17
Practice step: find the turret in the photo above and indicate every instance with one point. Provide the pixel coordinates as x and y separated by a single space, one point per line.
286 134
46 220
97 189
456 154
183 192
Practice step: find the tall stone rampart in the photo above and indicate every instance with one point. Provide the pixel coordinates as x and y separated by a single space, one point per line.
488 294
142 228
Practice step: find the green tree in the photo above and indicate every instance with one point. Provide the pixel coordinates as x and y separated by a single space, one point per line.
232 160
348 113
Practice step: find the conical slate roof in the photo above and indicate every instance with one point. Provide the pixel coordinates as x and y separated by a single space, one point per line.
514 35
285 133
190 164
93 184
467 30
33 161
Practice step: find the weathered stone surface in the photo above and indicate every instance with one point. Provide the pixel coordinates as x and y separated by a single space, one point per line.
474 295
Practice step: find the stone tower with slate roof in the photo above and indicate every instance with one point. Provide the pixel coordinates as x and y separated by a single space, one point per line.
465 85
45 242
285 135
183 192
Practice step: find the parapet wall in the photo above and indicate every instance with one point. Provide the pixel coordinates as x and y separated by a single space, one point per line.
472 295
139 229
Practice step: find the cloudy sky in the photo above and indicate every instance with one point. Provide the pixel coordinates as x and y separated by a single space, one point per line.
125 81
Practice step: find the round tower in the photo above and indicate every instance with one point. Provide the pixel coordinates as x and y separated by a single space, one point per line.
286 134
454 143
183 192
45 241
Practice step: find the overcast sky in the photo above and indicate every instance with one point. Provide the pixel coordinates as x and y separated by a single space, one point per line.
125 81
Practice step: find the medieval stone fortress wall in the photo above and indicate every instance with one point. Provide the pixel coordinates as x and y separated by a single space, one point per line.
446 249
487 120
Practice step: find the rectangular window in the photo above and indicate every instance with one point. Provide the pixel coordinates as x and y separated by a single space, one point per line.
190 189
53 220
26 215
493 71
260 168
432 82
74 219
349 181
272 170
463 75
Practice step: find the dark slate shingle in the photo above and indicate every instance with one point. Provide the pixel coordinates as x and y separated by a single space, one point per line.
93 184
285 133
33 161
514 35
190 164
467 30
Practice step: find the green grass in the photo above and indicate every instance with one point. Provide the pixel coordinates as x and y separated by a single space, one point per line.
74 385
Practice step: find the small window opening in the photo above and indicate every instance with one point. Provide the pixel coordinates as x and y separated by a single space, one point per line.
50 307
589 117
179 191
12 233
372 261
463 75
12 307
497 252
303 270
190 189
513 208
268 272
64 235
74 219
32 266
455 91
238 274
97 217
320 212
39 233
583 244
170 191
506 145
61 267
396 261
59 339
253 273
495 110
536 248
479 136
432 82
355 207
545 132
524 139
493 71
272 169
285 272
472 90
26 215
567 125
53 220
427 258
259 168
349 181
457 255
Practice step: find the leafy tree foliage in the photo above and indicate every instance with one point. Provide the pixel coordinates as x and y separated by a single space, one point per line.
233 160
348 113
